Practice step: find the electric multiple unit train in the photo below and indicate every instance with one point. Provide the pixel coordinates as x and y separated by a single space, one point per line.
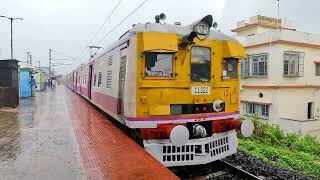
178 86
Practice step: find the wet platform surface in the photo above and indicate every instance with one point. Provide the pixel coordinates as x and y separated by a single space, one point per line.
37 140
58 135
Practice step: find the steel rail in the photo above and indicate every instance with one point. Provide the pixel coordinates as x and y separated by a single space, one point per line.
238 171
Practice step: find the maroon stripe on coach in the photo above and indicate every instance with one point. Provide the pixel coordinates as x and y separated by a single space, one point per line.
107 102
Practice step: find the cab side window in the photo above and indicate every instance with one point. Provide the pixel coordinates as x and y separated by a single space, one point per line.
230 68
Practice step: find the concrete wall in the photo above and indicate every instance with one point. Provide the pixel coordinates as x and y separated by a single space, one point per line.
289 107
252 31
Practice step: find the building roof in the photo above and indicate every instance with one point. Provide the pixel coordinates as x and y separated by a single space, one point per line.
263 21
178 29
276 36
166 28
249 26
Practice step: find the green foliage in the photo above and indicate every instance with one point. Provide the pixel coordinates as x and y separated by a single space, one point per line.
287 150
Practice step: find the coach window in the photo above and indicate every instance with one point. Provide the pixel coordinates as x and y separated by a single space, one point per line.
99 79
200 64
158 64
95 79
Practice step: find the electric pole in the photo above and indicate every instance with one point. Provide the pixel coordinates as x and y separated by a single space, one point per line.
30 60
28 55
279 24
50 62
11 21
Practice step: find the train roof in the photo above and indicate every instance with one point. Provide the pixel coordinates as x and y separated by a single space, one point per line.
178 29
166 28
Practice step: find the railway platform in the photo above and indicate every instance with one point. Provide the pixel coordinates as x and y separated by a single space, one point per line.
59 135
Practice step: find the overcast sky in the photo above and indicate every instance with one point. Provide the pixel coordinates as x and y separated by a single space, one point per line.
67 26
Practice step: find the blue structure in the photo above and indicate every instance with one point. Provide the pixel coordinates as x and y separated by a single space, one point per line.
25 88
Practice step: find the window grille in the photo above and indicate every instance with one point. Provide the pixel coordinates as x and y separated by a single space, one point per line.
109 79
94 79
110 60
99 79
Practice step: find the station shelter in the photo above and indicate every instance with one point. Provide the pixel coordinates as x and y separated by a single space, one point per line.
24 77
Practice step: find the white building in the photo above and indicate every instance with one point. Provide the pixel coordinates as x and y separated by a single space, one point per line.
281 76
41 76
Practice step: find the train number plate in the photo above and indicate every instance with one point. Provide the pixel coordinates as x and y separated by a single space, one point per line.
197 90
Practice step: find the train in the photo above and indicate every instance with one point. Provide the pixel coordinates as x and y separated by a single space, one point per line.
176 85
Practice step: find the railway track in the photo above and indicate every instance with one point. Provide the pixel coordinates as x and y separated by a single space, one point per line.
237 171
215 170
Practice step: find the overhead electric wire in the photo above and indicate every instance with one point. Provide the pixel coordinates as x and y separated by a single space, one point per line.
100 28
72 58
122 21
95 53
84 54
81 57
105 21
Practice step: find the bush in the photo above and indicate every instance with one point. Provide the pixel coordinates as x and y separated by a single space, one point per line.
287 150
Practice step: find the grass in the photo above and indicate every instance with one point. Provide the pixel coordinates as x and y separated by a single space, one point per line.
286 150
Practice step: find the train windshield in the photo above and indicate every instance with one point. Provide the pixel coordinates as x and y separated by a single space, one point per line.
200 64
158 64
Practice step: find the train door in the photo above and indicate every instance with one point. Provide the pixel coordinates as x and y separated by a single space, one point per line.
76 85
72 81
75 81
90 81
122 75
80 82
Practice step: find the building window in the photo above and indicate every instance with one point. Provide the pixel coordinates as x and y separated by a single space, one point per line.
310 110
99 79
158 64
264 111
245 68
230 68
94 79
259 64
254 109
293 63
242 69
109 79
200 64
250 109
317 69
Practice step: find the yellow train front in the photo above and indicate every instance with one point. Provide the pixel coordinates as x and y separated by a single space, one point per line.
187 92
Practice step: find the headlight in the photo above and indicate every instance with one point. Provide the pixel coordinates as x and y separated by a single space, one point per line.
202 30
218 105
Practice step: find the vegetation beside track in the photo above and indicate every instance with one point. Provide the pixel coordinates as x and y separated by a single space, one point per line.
286 150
